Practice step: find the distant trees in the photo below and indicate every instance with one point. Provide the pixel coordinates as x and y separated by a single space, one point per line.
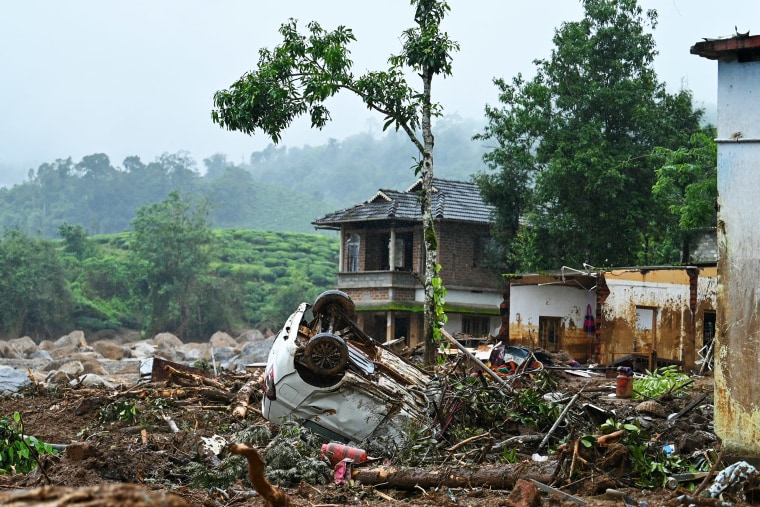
34 297
572 152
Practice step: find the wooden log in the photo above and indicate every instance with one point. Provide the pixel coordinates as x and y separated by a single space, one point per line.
498 477
243 397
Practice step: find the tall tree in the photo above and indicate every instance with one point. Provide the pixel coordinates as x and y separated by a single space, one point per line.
172 239
298 76
573 145
687 186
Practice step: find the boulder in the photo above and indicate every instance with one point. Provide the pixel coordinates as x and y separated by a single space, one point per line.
72 368
221 339
250 335
46 345
74 339
142 350
256 352
109 349
11 379
24 345
41 354
92 366
166 342
7 351
193 351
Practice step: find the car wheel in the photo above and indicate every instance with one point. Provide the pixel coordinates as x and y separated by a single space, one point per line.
331 300
326 354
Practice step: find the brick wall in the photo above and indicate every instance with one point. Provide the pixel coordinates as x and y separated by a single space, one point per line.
456 254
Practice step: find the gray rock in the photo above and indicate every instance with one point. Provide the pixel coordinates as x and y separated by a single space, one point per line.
41 354
142 350
11 380
223 354
166 341
250 335
255 352
193 351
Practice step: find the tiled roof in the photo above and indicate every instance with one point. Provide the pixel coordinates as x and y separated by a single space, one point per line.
452 201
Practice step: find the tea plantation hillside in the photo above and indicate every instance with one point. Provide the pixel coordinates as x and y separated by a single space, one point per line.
260 277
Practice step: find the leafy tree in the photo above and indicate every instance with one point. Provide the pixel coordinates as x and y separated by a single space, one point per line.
172 239
687 185
74 240
298 76
573 145
34 297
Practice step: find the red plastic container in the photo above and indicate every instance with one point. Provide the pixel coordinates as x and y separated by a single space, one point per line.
336 453
624 386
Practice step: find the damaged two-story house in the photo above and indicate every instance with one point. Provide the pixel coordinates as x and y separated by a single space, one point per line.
382 260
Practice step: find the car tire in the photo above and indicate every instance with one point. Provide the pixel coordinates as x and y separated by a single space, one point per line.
329 300
325 354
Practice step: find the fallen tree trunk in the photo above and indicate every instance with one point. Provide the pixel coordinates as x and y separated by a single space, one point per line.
243 397
499 477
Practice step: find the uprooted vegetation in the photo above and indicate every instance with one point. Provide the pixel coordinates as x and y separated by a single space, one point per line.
571 433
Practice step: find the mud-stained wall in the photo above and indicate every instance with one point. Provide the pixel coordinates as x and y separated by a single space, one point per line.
570 304
646 311
737 345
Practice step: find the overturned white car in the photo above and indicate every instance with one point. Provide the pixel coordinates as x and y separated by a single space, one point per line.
332 378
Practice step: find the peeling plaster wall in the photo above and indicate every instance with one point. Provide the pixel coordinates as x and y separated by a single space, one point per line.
646 311
530 302
737 345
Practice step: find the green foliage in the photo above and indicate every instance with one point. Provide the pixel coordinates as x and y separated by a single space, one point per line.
575 143
173 240
34 297
650 463
687 188
19 453
125 411
665 380
439 298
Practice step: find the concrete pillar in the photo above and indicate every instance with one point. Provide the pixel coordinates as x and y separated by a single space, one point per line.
737 342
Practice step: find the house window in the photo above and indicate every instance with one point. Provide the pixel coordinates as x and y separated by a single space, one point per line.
476 326
645 336
548 333
352 247
404 251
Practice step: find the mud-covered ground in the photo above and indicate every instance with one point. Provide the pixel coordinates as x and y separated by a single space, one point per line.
121 441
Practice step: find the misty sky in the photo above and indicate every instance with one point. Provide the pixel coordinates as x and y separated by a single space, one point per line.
137 78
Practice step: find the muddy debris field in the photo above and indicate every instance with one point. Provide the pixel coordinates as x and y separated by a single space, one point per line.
548 432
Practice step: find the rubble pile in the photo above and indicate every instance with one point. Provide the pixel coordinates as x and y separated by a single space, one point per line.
184 423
